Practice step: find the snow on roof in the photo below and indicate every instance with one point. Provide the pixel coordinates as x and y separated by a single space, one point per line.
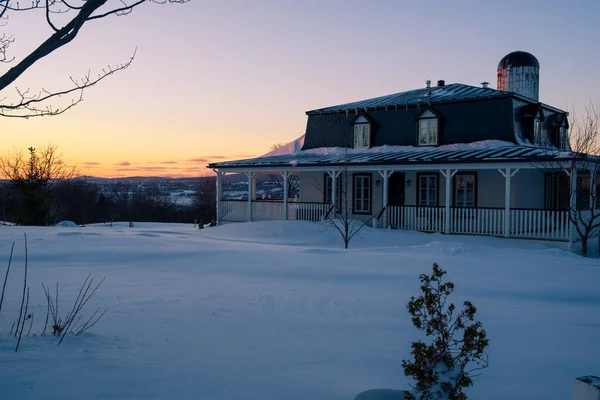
482 151
289 148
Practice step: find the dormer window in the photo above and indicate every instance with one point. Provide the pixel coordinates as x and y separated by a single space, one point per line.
537 131
564 138
428 129
362 132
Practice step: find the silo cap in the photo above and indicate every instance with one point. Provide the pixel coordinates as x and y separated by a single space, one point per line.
519 59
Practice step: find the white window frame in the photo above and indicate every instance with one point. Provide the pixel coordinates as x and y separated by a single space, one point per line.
465 190
431 190
361 133
329 187
428 129
362 194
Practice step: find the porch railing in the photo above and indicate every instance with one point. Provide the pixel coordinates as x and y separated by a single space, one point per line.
477 221
539 224
426 219
524 223
234 210
237 210
267 210
308 211
532 224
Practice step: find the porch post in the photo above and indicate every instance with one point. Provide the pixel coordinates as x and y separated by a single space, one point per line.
219 193
285 175
250 176
507 174
333 174
572 208
592 190
448 174
385 174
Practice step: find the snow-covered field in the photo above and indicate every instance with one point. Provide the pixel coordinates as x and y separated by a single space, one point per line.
278 310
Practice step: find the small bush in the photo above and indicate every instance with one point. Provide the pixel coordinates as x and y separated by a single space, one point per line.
444 367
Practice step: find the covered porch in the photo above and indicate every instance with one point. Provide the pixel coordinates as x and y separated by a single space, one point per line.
510 200
494 189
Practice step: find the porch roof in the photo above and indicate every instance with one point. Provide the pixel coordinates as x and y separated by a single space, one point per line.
479 152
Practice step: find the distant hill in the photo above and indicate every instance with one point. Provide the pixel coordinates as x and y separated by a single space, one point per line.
142 179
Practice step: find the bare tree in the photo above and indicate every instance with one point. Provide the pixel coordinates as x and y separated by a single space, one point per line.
65 19
276 146
585 165
576 175
293 184
340 216
205 201
32 177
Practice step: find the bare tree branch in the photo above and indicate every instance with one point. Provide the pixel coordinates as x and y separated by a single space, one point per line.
581 160
5 42
30 105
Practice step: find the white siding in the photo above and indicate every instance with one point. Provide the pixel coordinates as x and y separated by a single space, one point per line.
490 189
528 189
311 187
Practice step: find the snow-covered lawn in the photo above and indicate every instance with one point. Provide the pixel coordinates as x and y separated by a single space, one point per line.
278 310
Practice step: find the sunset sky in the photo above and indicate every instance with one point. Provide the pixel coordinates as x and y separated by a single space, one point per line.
216 80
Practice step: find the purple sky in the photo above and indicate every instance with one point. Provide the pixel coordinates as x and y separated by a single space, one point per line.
219 80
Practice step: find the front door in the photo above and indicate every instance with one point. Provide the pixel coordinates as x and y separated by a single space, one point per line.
396 189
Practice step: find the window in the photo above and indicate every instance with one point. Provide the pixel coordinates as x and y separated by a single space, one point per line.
362 132
464 190
427 190
584 194
327 198
556 191
564 138
537 131
428 129
362 194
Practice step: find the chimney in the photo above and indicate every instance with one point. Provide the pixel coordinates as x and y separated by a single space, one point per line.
484 84
441 83
428 84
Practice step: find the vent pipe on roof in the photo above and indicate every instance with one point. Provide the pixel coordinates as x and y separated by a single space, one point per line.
428 84
441 83
484 84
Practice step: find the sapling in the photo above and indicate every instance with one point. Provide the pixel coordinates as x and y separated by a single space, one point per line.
445 366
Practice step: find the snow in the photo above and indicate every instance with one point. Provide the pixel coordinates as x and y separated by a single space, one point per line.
483 144
279 310
292 147
66 224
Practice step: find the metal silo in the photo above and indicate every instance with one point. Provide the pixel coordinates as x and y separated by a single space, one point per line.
519 72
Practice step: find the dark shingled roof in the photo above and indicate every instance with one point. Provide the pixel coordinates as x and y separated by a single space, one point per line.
447 93
401 155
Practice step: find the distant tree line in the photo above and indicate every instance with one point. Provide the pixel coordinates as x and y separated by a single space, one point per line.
41 190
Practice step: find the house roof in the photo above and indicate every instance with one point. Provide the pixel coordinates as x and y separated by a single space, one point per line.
453 92
484 151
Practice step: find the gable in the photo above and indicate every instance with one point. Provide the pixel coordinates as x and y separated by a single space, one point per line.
361 120
427 114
